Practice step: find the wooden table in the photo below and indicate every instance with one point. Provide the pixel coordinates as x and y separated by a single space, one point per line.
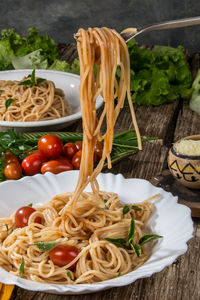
181 280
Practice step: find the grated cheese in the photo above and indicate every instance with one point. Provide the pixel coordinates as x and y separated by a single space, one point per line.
188 147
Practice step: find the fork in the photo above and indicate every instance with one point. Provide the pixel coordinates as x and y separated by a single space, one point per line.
6 291
130 33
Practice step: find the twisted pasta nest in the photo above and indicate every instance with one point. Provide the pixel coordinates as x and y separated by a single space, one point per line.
38 103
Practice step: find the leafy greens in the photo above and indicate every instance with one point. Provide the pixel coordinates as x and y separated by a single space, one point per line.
195 98
159 75
12 45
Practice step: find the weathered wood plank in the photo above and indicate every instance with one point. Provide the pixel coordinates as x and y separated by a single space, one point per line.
188 122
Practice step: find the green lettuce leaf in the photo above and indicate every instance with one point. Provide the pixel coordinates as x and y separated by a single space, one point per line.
13 45
33 60
195 98
158 76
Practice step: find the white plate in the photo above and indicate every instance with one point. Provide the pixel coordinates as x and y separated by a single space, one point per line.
170 219
68 82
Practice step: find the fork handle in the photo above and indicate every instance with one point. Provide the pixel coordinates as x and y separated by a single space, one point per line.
174 24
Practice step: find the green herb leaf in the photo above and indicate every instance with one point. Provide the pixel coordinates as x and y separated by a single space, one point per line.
31 204
7 228
148 237
119 274
106 207
131 233
21 268
125 209
45 245
11 231
136 207
137 249
40 80
31 82
105 200
8 102
117 242
33 76
25 82
69 274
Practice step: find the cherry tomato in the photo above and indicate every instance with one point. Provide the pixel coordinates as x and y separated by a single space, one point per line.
69 150
56 166
32 164
63 255
50 145
11 158
13 170
63 159
98 149
79 145
35 151
22 215
76 160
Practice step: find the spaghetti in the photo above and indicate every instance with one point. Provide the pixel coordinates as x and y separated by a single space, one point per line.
82 219
38 103
98 259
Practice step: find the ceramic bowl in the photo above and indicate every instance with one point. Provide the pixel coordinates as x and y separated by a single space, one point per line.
185 168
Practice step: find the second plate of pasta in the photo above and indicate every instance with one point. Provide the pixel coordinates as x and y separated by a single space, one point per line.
42 100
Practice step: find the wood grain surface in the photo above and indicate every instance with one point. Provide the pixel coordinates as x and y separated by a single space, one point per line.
181 280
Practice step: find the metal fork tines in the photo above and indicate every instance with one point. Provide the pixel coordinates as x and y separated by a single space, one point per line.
133 32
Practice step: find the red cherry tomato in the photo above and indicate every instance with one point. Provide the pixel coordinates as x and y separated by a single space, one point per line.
13 170
31 165
56 166
35 151
69 150
11 158
63 255
50 145
22 215
98 150
79 145
63 159
76 160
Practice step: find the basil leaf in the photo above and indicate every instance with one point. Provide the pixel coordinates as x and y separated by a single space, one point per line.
8 102
40 80
45 245
148 237
31 204
69 274
117 242
7 228
25 82
21 268
136 207
125 209
137 249
131 233
33 76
